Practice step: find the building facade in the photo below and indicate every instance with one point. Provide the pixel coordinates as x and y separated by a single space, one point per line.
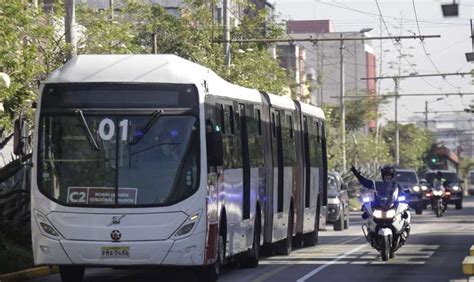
325 58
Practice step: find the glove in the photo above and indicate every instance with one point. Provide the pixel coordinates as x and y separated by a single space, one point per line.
353 169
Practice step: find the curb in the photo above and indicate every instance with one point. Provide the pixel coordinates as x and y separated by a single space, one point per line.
29 273
468 265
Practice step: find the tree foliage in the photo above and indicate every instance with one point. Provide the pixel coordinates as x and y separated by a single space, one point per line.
362 150
29 49
33 44
414 143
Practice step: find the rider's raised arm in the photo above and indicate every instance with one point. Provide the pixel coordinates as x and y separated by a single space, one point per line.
367 183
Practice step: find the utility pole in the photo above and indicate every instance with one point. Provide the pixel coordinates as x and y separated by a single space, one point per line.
225 9
426 114
111 6
70 32
396 95
341 104
397 133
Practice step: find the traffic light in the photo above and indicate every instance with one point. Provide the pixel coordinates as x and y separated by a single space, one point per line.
434 160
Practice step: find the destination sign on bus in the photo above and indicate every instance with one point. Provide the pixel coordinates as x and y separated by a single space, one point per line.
101 195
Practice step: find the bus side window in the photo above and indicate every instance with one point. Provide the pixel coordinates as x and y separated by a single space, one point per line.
230 114
273 125
259 121
290 125
220 117
318 132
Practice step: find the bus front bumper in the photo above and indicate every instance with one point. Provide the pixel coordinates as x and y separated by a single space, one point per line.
185 252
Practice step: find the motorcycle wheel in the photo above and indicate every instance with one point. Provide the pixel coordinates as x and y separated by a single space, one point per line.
385 250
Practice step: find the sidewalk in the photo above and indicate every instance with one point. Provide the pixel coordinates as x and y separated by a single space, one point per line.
29 273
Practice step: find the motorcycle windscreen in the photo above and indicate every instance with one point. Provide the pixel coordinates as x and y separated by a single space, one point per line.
386 194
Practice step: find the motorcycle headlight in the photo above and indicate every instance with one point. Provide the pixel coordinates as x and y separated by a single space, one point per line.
437 192
456 188
416 188
384 214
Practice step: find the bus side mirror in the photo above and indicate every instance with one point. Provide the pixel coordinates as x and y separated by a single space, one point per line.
20 137
215 149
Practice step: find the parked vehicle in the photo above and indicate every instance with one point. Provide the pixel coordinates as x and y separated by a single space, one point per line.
470 188
408 179
338 202
454 186
388 218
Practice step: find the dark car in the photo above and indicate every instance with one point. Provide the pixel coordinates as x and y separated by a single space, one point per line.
454 185
410 183
338 202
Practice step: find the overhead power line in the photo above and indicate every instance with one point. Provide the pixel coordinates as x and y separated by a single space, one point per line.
411 94
316 40
419 75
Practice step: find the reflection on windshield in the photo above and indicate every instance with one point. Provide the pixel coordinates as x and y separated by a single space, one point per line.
159 170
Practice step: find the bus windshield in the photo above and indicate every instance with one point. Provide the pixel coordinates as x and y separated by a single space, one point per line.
160 170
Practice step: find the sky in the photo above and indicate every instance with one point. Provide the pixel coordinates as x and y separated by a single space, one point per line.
443 55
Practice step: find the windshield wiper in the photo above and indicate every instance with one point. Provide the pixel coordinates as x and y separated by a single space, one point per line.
87 130
156 115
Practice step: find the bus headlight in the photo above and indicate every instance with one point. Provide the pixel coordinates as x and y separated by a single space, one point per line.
188 225
455 188
45 226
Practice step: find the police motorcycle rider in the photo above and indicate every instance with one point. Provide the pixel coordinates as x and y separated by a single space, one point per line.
385 191
440 183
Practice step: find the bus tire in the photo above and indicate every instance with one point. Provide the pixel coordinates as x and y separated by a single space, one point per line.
71 273
285 246
311 239
210 273
251 257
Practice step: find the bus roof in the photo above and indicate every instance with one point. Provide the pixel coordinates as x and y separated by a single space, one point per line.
147 69
312 110
129 68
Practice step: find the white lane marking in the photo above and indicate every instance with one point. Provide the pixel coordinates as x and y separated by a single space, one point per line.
315 271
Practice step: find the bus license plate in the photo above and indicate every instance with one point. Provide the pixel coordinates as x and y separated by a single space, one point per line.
115 252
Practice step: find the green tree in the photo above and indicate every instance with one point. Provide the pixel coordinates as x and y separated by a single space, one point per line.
30 48
414 142
363 150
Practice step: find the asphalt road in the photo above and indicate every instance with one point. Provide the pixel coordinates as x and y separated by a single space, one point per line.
434 252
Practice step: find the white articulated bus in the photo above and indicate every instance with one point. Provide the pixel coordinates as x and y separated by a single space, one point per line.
152 160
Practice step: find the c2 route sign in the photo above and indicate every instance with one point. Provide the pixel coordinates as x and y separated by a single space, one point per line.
101 195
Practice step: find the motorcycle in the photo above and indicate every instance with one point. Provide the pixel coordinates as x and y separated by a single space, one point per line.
388 219
438 197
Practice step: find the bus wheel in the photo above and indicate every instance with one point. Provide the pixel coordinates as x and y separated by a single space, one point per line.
311 239
70 273
285 246
210 273
251 258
